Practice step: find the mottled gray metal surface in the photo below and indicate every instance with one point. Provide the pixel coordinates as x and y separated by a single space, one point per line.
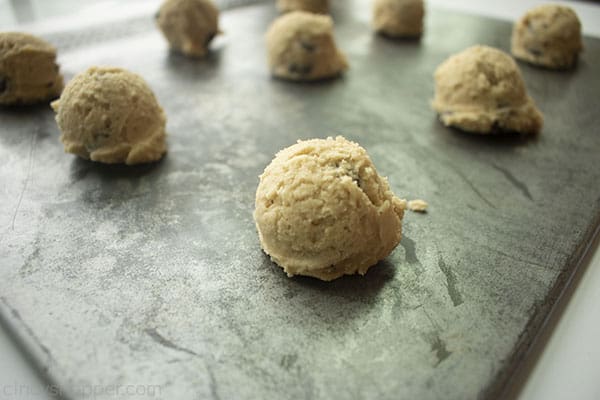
153 275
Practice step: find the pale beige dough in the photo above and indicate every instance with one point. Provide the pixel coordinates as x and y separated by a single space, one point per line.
314 6
28 70
417 205
481 90
189 25
301 47
399 18
549 36
323 211
110 115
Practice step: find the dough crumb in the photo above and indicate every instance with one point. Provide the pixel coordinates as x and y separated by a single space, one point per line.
189 25
28 70
418 205
322 210
110 115
548 36
313 6
301 47
481 90
399 18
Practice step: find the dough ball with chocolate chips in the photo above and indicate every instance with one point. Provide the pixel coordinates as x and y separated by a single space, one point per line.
481 90
398 18
314 6
301 47
322 210
548 36
189 25
28 70
110 115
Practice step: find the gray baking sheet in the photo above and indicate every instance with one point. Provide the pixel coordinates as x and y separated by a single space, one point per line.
153 276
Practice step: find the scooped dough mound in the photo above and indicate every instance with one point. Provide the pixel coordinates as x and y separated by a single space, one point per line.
301 47
481 90
399 18
110 115
548 35
28 70
323 211
314 6
189 25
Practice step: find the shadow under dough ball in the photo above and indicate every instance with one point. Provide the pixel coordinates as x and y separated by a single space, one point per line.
111 115
322 210
189 25
314 6
301 47
549 36
28 70
481 90
398 18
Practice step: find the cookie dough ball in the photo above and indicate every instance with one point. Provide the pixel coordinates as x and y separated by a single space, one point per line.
323 211
110 115
481 90
301 47
548 36
28 70
314 6
189 25
399 18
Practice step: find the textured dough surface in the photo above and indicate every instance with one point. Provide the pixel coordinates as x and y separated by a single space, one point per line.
110 115
548 35
314 6
189 25
481 90
28 70
398 18
301 47
323 211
